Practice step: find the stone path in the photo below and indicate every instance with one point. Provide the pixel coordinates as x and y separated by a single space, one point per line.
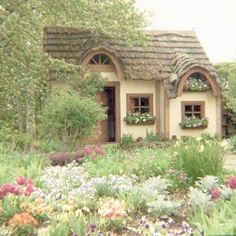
230 161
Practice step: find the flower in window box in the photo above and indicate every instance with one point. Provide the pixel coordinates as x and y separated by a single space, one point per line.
194 122
139 118
196 84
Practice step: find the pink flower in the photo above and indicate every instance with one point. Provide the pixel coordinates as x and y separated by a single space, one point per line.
88 150
28 182
2 194
21 180
232 182
215 193
98 150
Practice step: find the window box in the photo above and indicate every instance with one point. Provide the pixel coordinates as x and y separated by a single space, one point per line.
197 83
194 123
193 115
139 119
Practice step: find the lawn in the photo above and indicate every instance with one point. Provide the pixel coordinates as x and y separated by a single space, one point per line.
174 188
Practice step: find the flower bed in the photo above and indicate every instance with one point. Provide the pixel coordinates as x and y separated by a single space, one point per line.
139 119
194 123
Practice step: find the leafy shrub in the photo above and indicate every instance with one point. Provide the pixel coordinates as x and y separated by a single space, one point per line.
199 157
13 139
71 117
207 183
126 140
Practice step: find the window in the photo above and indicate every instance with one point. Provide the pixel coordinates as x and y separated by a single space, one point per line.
193 109
100 59
140 103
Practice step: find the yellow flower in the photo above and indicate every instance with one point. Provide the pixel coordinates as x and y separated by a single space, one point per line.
201 148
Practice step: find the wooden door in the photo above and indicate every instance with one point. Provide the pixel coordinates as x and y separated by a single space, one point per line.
103 125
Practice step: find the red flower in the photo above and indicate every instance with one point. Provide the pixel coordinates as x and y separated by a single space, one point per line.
21 180
88 150
29 190
28 182
215 193
98 150
232 182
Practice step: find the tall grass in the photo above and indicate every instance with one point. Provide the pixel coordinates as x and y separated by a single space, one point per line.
200 157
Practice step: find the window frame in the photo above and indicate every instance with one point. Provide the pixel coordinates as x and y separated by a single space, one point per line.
193 103
129 96
100 67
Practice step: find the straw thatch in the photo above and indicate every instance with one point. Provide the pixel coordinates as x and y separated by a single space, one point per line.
166 54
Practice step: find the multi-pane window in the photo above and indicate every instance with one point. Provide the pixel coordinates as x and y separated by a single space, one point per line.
193 109
140 103
100 59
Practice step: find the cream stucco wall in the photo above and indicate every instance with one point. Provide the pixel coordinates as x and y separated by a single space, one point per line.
176 116
133 86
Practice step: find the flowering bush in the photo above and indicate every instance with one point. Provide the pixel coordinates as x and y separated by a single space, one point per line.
196 84
26 189
193 122
94 151
137 118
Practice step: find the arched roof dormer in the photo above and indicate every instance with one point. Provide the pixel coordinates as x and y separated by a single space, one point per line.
103 60
204 73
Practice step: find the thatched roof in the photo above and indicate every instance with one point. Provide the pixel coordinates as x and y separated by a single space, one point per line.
167 54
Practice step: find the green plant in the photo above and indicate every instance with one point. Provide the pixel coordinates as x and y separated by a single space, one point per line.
193 122
201 199
198 157
71 117
233 143
151 137
220 221
137 118
162 206
126 140
62 229
116 225
135 201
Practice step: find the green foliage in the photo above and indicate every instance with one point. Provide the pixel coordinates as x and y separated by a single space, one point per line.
199 157
155 160
30 166
71 117
14 139
126 141
26 69
227 72
233 143
61 229
162 206
11 206
220 221
151 137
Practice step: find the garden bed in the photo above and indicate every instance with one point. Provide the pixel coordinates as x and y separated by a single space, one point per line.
144 191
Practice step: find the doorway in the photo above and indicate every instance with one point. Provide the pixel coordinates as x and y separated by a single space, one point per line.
107 127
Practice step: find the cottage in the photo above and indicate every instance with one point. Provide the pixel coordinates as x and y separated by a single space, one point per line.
167 86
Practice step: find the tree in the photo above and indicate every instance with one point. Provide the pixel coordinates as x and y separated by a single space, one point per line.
227 72
25 68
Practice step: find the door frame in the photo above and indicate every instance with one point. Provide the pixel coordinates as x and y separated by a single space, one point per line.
116 85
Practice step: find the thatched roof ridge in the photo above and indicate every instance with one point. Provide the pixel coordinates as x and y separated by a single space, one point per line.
166 54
